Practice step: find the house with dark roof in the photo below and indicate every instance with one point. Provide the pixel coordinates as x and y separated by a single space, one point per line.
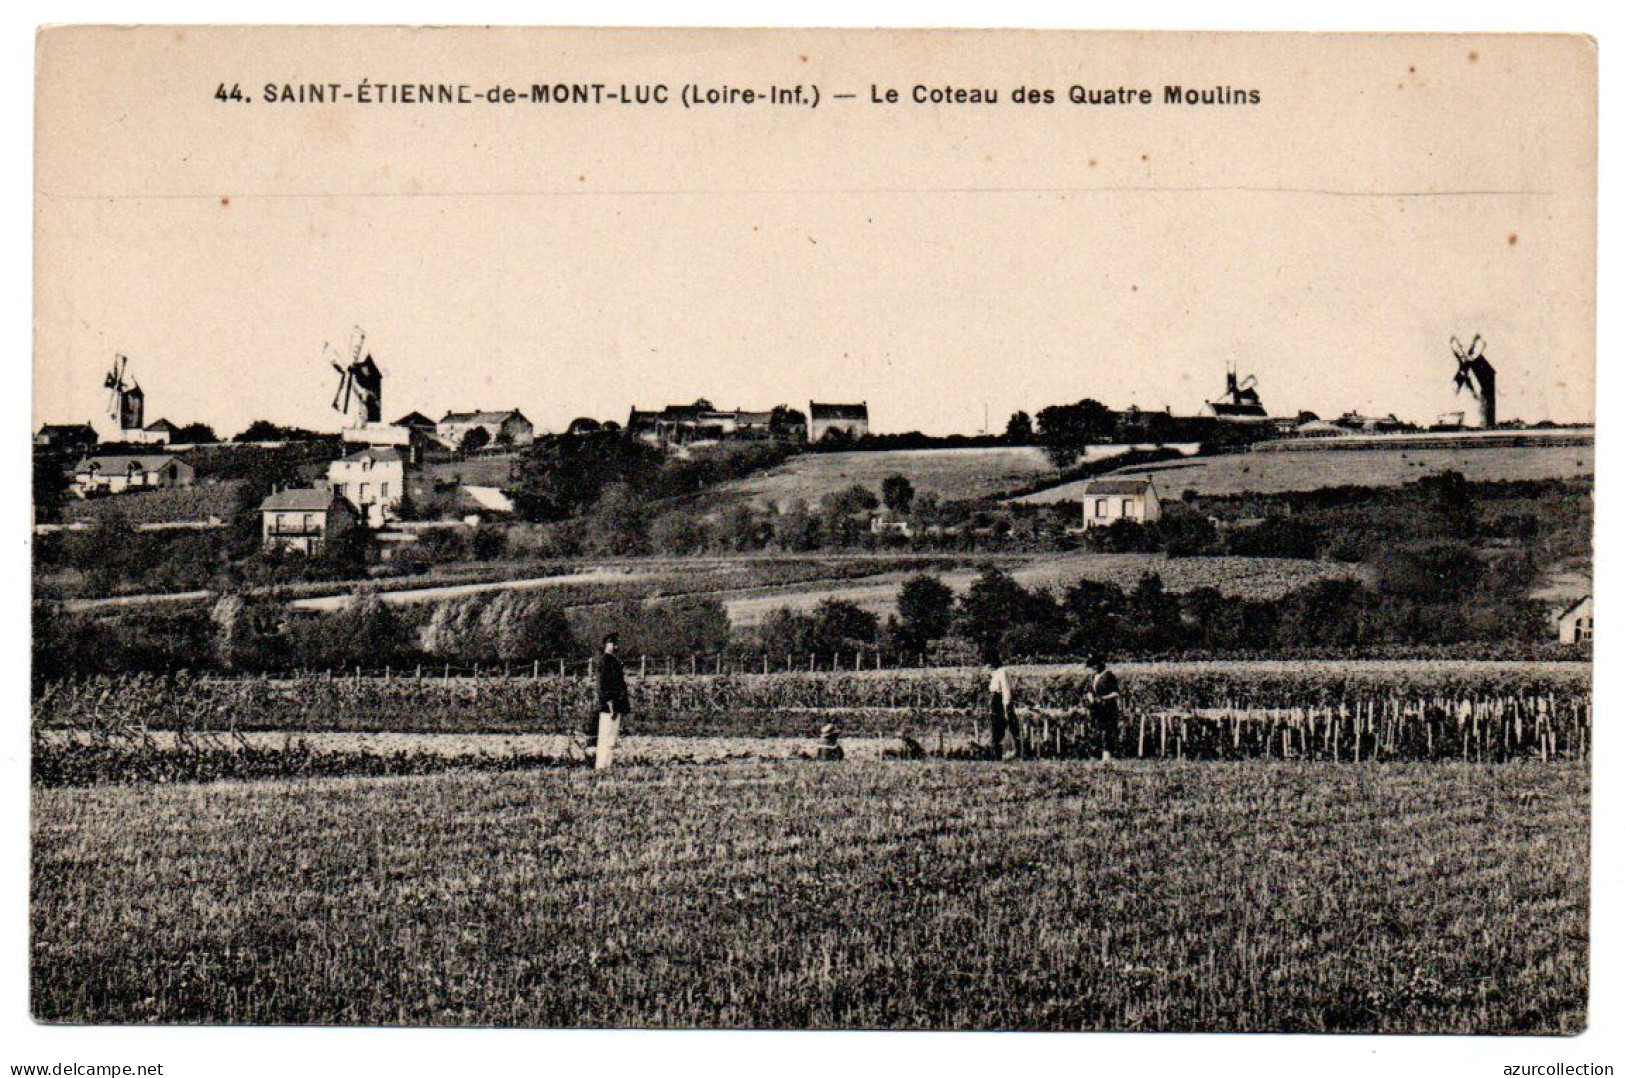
304 519
116 473
850 420
1112 498
66 436
697 424
415 421
1575 623
509 428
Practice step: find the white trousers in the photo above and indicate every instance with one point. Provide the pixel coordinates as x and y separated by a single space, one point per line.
609 732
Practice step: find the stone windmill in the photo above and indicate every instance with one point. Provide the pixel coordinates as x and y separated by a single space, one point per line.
1474 374
126 402
360 393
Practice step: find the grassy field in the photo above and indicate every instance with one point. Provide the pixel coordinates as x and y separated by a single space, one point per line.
1275 473
949 473
1254 578
1255 896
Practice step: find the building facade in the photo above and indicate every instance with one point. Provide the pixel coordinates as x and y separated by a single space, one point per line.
118 473
1574 625
509 428
372 481
1106 501
304 519
850 420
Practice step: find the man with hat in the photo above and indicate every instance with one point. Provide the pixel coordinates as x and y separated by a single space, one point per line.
1104 698
614 703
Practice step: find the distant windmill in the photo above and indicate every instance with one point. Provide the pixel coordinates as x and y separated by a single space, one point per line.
125 401
1240 399
1474 374
361 384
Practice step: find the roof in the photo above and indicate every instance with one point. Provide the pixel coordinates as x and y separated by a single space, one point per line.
149 462
301 499
837 411
1574 606
482 417
375 452
1117 485
414 419
162 424
68 428
490 499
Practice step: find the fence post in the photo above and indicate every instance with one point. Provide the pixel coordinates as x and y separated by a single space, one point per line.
643 665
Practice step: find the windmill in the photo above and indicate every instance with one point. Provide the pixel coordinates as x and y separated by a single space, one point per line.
361 384
1240 399
1474 374
125 401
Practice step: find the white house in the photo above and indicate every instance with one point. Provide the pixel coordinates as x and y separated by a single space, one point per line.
503 429
372 480
1574 624
117 473
304 519
849 420
1108 500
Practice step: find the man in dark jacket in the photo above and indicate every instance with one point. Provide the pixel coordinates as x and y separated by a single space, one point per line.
614 703
1105 698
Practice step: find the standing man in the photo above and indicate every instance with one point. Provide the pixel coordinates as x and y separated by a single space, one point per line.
614 702
1105 699
1001 697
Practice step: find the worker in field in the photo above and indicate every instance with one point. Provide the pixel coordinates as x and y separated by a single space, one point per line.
1001 701
614 703
1104 698
829 744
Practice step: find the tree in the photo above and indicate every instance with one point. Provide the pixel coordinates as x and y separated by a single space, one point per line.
796 528
620 522
522 626
897 493
473 440
787 423
993 603
839 625
1019 430
925 608
584 425
245 632
194 434
1277 537
679 532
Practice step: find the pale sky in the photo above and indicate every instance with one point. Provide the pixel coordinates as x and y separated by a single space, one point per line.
930 260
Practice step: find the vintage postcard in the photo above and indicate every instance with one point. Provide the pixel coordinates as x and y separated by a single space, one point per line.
886 530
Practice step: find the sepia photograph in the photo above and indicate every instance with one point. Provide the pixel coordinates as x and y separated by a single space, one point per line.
883 530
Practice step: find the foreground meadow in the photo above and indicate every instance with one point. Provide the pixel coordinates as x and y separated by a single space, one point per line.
1258 895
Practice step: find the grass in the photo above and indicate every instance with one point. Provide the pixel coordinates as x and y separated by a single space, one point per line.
1256 896
952 474
1276 473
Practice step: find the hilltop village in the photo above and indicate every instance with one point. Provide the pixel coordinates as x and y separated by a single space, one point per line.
765 506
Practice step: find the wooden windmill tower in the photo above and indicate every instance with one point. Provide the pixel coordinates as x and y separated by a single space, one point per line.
1474 374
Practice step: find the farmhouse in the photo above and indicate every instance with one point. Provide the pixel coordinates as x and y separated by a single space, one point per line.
371 481
1574 624
1108 500
697 423
115 474
850 420
509 428
66 436
304 519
